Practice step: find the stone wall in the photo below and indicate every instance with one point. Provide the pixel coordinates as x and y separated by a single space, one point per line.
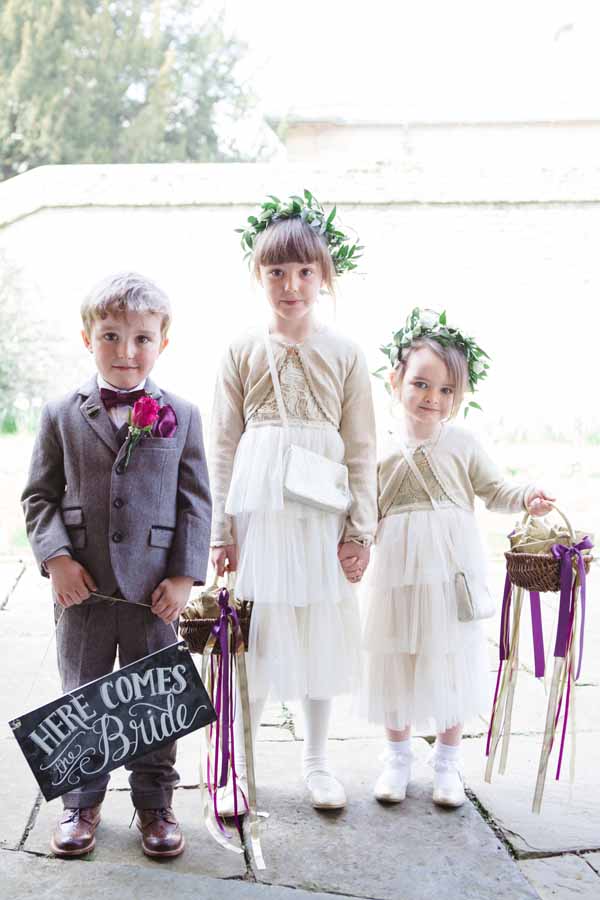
510 252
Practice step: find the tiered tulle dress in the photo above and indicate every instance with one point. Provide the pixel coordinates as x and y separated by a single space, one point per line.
423 666
304 636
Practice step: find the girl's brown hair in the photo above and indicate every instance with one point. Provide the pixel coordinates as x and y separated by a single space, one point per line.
453 359
292 240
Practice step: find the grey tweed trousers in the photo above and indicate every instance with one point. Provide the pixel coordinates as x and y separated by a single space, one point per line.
88 639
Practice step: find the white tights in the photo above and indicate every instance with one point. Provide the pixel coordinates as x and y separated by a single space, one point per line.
316 722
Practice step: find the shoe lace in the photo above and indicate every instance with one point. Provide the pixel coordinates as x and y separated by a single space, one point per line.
72 815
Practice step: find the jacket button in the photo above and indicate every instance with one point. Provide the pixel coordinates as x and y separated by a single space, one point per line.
118 502
120 469
117 537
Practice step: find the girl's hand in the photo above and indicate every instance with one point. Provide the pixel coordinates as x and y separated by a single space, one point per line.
538 502
354 559
224 558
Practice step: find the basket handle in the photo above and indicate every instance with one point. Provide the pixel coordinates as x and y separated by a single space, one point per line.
527 518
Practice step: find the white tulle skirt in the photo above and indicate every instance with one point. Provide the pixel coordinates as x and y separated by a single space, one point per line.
423 666
305 633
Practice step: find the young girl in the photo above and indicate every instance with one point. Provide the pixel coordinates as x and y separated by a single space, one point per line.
304 638
424 664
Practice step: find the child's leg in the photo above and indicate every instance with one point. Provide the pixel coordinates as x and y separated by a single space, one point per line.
325 790
447 782
393 780
86 646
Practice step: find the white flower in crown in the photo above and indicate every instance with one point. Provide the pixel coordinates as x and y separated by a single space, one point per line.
428 319
478 366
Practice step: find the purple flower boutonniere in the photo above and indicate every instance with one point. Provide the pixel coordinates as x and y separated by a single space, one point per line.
148 418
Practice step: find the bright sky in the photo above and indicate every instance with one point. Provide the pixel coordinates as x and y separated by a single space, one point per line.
431 59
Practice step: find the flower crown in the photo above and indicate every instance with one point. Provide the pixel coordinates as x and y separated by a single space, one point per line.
426 323
343 252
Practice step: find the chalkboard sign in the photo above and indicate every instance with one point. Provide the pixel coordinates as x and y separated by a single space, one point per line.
114 719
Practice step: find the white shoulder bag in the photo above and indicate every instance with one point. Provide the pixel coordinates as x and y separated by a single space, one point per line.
473 601
309 477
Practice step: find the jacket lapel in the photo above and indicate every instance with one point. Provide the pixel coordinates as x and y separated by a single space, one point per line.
93 411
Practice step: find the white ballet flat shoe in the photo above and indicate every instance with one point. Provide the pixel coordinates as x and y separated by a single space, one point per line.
391 785
325 791
225 803
448 787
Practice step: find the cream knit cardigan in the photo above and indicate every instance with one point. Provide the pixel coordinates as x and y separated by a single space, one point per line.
338 377
463 469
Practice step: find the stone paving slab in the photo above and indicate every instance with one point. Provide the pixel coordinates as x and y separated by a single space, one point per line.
558 877
569 819
369 850
18 793
27 877
116 843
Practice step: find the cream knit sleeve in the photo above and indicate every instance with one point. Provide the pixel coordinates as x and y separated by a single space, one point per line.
357 428
487 481
226 429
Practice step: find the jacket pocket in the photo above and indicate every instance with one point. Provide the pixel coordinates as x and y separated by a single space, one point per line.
78 537
72 515
161 536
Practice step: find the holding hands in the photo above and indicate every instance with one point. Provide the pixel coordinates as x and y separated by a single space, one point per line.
354 559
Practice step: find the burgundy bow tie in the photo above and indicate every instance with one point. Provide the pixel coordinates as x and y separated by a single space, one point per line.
119 398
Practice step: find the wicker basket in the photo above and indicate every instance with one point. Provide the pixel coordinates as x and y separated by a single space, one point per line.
538 571
197 631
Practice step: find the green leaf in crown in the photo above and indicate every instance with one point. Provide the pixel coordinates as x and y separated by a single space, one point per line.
344 253
427 323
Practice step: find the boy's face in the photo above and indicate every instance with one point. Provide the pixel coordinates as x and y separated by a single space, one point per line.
126 346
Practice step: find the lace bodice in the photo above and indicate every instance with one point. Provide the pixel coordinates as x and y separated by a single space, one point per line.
411 494
298 399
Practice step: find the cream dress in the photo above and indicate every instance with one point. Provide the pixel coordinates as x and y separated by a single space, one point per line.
423 666
304 636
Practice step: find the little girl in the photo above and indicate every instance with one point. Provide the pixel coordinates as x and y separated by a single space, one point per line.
290 557
423 663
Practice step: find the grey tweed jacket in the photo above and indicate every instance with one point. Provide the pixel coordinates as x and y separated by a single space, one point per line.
129 528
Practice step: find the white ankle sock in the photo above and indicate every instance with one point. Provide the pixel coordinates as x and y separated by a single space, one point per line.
316 724
398 748
447 752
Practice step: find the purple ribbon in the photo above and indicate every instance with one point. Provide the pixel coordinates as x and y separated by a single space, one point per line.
569 556
537 634
224 701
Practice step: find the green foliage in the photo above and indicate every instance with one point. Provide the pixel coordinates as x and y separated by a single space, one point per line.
426 323
127 81
343 253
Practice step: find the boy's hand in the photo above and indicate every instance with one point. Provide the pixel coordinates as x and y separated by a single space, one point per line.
169 598
538 502
71 583
354 559
224 558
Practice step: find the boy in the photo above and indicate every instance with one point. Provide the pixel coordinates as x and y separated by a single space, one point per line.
138 532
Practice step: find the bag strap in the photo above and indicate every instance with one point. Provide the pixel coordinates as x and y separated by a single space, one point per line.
415 470
276 385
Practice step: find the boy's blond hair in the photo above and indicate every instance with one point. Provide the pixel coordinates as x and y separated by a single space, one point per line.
125 292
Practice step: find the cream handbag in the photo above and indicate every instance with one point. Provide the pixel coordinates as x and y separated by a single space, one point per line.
473 600
309 477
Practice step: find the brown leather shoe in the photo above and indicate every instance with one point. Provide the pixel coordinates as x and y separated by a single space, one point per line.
161 834
75 833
